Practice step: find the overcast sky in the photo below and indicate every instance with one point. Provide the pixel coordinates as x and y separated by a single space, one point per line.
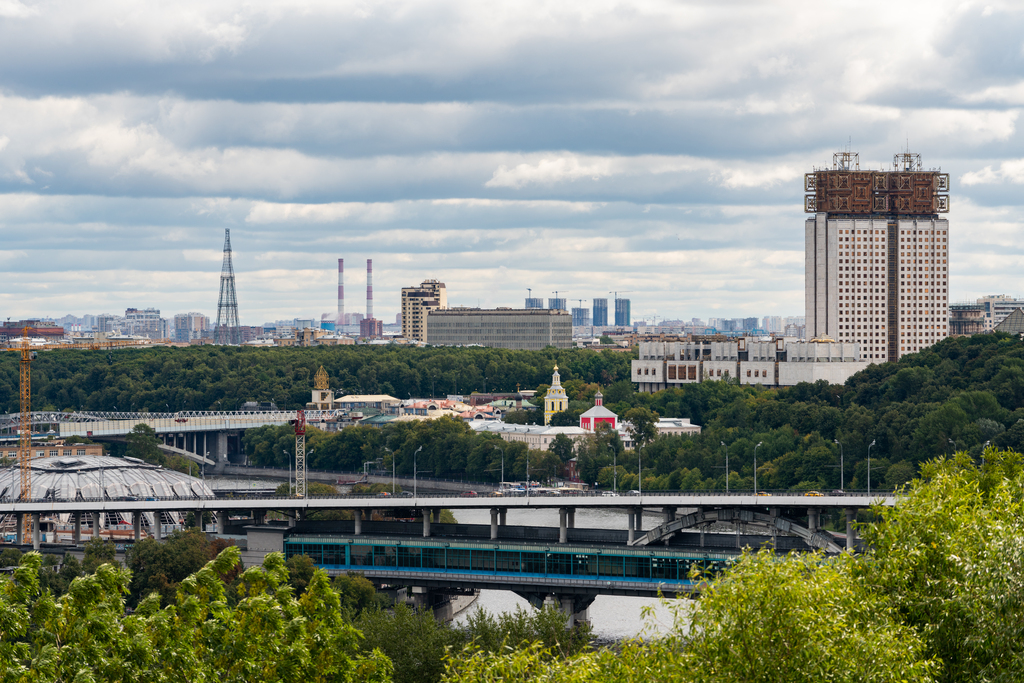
650 147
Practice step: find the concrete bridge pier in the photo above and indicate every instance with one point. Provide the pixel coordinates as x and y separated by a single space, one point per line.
36 531
158 525
502 516
426 523
137 526
813 518
19 532
850 516
563 532
220 450
571 518
358 518
78 528
630 522
494 524
97 522
222 519
574 606
669 515
435 514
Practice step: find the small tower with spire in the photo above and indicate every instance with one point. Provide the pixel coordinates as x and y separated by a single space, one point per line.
555 401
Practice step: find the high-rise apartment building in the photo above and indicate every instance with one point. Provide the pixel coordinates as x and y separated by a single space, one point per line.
580 317
534 302
600 312
558 303
189 326
876 258
430 295
622 317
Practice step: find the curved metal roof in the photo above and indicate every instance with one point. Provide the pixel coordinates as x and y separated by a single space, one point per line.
99 476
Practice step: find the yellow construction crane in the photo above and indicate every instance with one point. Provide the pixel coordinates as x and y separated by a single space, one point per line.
28 354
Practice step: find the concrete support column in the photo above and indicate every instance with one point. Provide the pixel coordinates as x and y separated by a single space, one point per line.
638 519
812 519
78 528
19 533
97 522
502 516
435 515
158 526
259 517
494 524
563 532
426 523
358 517
420 595
222 521
669 513
571 518
630 522
850 516
137 526
702 535
36 531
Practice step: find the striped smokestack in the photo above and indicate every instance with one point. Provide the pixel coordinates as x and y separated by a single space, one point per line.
369 288
341 292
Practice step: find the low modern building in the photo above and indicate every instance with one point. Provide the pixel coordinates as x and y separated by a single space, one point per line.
536 437
997 307
777 363
677 426
503 328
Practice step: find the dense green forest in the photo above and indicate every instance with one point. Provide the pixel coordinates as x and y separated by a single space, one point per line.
219 377
955 396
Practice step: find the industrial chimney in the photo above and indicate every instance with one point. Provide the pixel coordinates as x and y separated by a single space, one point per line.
341 293
369 289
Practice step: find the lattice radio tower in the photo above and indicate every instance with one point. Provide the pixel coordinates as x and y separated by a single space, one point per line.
227 330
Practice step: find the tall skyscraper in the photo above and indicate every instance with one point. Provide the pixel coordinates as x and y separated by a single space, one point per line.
600 312
580 317
622 313
876 256
534 302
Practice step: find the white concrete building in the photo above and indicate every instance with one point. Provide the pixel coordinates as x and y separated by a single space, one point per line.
997 307
778 363
536 437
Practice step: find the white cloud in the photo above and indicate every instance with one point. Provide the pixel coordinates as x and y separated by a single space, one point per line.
549 171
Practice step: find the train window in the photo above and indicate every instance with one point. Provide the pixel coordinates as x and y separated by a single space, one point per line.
506 561
433 558
559 563
457 559
584 565
408 557
609 566
533 563
483 560
362 555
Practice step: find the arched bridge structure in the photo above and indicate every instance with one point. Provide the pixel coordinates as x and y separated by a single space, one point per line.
772 522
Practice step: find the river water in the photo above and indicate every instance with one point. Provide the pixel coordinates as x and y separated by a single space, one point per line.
612 617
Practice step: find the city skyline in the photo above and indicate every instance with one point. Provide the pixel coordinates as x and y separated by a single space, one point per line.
651 159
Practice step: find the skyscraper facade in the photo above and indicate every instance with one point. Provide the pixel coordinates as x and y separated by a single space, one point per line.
580 317
534 302
622 318
876 256
558 303
417 302
600 312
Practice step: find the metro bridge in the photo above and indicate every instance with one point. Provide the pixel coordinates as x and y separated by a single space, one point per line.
783 513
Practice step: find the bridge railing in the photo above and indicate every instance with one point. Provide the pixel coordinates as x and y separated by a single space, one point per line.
238 494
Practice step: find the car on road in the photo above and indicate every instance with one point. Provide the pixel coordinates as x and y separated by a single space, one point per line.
610 494
838 492
469 494
763 493
815 494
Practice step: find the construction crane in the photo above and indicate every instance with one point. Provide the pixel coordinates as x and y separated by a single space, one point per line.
629 291
28 354
300 454
556 295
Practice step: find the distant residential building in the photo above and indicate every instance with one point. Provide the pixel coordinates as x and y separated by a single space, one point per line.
189 326
371 328
558 304
504 328
622 314
108 324
997 307
145 322
966 319
536 437
772 324
534 302
600 312
580 317
430 295
773 364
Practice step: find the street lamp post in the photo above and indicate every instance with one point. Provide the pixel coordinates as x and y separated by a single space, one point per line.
502 484
726 449
869 467
415 453
615 472
640 470
841 470
755 465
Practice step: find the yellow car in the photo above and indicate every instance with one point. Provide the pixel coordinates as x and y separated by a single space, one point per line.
815 494
763 493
